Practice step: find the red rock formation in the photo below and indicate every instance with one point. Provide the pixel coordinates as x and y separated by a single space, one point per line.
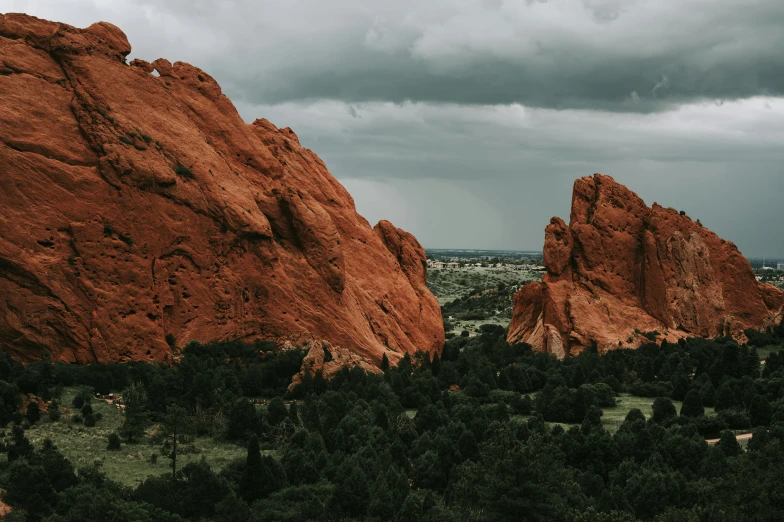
620 269
135 206
328 359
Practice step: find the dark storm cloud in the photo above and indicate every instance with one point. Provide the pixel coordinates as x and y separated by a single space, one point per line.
466 122
492 176
619 55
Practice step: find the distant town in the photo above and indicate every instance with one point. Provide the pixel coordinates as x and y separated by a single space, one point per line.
502 260
531 261
770 272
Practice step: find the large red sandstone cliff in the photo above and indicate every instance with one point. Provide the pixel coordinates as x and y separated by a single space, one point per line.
135 203
620 269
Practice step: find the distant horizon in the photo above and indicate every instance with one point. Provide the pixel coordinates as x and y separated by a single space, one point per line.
767 259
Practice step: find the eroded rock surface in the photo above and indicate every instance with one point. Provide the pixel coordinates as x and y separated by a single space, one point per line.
137 205
621 269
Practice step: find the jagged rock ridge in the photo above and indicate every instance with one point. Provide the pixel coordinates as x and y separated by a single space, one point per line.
621 269
137 207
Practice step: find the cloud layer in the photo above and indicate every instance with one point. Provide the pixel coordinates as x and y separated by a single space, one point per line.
621 55
466 121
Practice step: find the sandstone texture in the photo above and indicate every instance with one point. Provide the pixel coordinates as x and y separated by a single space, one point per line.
621 269
138 210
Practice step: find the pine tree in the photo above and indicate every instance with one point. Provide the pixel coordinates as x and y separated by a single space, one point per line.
708 394
728 444
663 410
382 503
692 405
276 411
136 416
351 496
725 399
33 412
761 412
435 365
680 383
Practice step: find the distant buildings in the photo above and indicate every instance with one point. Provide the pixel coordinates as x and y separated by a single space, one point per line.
780 266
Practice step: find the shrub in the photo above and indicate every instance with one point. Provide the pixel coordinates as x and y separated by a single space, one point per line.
736 420
33 412
652 335
83 397
522 405
114 442
663 410
89 420
54 411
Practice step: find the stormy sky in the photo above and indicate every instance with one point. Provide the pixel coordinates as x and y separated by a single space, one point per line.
467 121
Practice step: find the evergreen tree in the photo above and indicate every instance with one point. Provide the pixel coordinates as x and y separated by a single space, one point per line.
728 444
351 496
136 415
33 412
276 411
725 398
382 503
242 421
113 442
469 449
692 405
251 487
760 412
708 394
53 411
592 419
435 365
680 383
20 446
634 415
176 424
663 410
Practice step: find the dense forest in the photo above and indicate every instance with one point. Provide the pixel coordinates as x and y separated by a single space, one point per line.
486 432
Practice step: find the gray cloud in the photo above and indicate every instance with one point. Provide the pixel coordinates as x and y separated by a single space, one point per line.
466 121
596 54
492 176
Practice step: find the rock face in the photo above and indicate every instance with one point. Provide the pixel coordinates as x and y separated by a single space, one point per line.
621 269
137 207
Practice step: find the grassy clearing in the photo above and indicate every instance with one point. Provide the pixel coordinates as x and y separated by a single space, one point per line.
614 417
131 464
765 351
450 283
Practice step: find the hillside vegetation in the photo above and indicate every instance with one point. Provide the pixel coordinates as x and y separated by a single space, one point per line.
487 431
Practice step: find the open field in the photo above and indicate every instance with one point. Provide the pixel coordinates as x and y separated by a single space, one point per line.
131 464
614 417
491 295
765 351
448 284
